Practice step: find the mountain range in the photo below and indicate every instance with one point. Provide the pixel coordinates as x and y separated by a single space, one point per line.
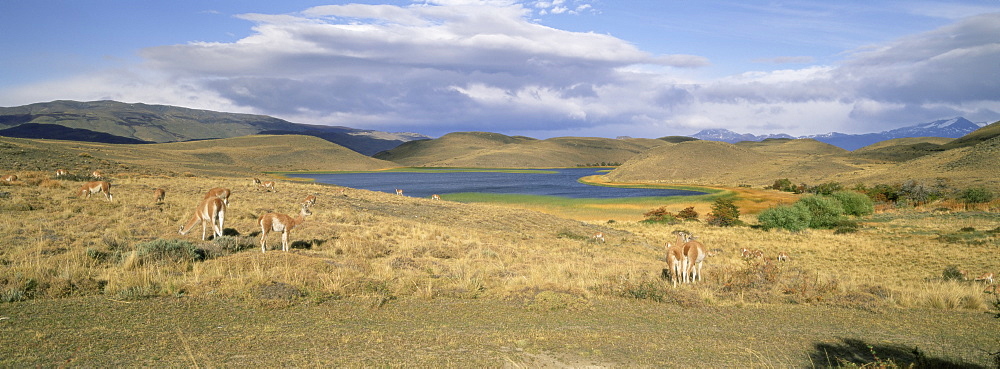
117 122
951 128
132 123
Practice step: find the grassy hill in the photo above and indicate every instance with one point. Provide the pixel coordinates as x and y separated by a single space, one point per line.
117 122
481 149
966 161
901 149
239 156
720 163
153 123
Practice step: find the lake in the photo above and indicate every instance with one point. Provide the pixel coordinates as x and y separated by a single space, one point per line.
541 182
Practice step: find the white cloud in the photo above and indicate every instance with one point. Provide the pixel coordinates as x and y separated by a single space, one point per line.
448 65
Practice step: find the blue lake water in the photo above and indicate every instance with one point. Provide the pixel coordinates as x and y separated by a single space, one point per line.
544 182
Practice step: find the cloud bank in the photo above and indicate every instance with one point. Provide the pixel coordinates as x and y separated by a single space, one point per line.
454 65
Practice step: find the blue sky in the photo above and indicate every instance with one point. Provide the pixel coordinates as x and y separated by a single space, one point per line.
536 68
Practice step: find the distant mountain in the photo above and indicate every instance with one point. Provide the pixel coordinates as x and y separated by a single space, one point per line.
952 128
164 123
726 135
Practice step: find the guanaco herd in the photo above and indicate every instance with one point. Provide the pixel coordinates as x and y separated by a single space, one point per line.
210 211
684 257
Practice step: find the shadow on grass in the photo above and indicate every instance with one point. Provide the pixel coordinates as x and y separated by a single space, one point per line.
857 353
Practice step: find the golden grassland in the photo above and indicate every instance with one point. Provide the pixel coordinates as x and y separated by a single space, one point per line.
383 246
382 257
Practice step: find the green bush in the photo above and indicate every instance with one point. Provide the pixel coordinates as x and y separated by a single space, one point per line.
976 195
168 250
783 184
826 188
952 273
824 211
855 203
724 213
789 217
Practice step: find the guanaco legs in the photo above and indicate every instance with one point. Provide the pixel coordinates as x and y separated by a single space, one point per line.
986 277
91 188
211 210
675 261
694 255
277 222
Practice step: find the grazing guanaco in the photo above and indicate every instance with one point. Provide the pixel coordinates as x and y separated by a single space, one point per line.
219 192
280 223
9 178
986 277
694 255
435 197
211 210
97 174
309 201
158 195
91 188
599 236
675 262
267 185
61 172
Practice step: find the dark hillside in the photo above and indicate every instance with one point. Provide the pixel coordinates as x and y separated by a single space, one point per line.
163 123
57 132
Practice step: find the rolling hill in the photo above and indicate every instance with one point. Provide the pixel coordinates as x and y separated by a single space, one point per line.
967 161
228 157
482 149
117 122
746 163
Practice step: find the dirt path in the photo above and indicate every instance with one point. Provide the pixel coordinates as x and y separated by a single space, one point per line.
202 332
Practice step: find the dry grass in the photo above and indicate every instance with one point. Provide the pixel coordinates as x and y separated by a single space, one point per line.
388 258
383 247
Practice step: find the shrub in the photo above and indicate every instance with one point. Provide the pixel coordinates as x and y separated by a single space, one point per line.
789 217
724 213
854 203
168 249
826 188
824 211
660 215
783 184
976 195
952 273
688 214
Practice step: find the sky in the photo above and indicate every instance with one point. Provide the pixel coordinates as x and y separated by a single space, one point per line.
549 68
